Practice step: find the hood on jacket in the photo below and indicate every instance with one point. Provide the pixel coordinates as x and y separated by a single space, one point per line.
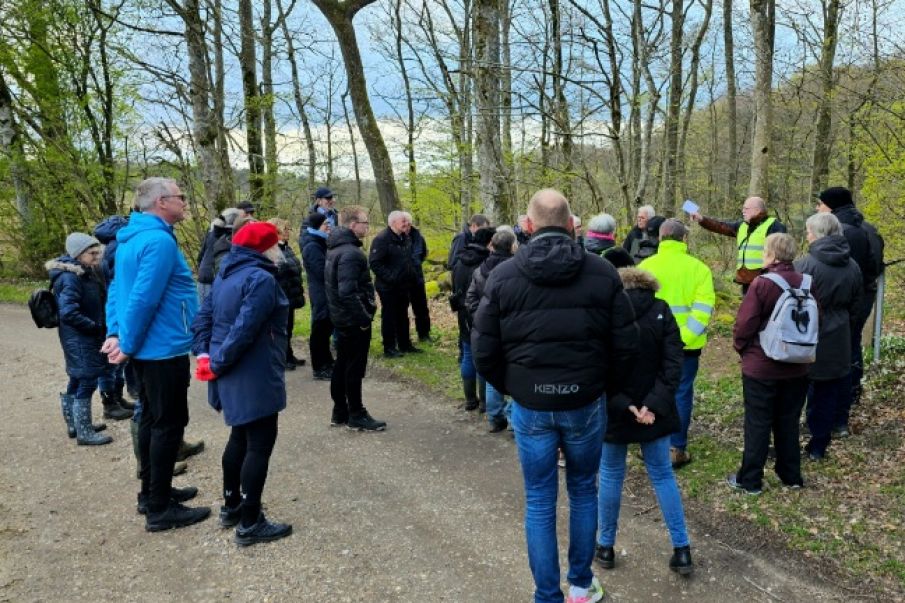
106 230
63 263
473 255
140 222
849 214
493 260
832 250
240 258
342 236
635 278
551 257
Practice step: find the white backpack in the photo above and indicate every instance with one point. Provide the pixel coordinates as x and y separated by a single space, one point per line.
791 333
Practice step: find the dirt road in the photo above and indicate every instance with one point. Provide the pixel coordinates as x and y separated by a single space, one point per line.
430 510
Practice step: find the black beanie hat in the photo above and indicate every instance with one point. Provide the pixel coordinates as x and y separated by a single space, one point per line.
618 257
316 220
836 197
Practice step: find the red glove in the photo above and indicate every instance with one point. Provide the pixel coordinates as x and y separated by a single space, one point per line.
203 371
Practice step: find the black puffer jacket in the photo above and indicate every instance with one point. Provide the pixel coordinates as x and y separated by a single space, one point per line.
837 288
289 276
859 243
350 293
654 378
216 245
555 328
391 260
419 254
467 263
479 280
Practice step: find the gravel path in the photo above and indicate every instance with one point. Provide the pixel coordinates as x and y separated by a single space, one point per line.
429 510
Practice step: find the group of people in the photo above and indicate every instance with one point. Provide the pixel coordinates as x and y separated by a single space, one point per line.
595 345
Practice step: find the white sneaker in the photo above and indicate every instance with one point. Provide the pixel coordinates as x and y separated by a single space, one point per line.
593 594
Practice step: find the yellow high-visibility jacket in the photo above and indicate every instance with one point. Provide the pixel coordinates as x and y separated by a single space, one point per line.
686 284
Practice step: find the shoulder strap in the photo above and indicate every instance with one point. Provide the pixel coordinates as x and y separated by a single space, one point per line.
778 280
805 283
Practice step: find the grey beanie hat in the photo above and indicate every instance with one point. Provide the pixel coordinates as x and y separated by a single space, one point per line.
78 243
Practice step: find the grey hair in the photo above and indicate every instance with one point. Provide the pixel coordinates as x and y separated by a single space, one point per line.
576 221
407 215
395 215
505 228
229 215
649 210
602 223
503 240
823 225
151 189
673 230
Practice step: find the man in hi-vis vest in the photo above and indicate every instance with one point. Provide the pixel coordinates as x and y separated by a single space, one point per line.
750 233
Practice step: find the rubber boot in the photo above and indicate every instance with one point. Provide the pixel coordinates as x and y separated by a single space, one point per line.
469 386
482 395
84 430
112 409
66 407
118 393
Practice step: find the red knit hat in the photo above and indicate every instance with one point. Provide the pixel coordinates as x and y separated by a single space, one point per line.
259 236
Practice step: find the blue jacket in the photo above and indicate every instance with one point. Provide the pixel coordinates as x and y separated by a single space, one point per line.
105 232
80 298
242 325
313 244
152 301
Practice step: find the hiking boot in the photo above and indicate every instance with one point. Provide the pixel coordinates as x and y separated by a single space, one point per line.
324 374
85 432
176 495
498 424
470 388
605 556
679 458
410 349
338 419
112 409
262 531
118 393
840 432
176 515
681 560
187 449
732 482
230 516
594 593
392 353
365 422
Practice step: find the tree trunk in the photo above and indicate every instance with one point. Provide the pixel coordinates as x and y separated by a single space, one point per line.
689 106
671 128
487 97
224 196
763 23
822 144
409 106
731 104
561 107
267 102
340 15
248 67
354 146
506 100
11 145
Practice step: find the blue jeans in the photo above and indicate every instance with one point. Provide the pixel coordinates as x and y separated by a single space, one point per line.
466 364
685 401
538 436
662 478
81 389
113 378
497 405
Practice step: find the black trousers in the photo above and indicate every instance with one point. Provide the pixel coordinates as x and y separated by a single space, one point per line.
394 318
418 299
163 391
772 405
352 347
246 459
829 403
319 344
290 324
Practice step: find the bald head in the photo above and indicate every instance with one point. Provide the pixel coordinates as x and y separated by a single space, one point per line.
753 207
548 207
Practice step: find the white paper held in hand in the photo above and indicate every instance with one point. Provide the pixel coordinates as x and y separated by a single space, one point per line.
690 206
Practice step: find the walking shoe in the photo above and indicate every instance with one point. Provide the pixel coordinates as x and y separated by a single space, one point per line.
840 432
605 556
732 482
323 375
176 495
498 424
679 458
426 339
365 422
681 560
337 420
118 393
392 353
187 449
178 469
230 516
176 515
112 409
592 594
410 349
262 531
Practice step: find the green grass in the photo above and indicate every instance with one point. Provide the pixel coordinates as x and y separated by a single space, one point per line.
17 292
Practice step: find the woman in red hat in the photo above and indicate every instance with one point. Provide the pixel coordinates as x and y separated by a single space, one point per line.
240 339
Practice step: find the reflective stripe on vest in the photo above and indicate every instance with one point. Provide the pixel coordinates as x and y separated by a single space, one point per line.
751 247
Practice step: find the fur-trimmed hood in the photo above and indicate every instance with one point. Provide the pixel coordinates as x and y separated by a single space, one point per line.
635 278
64 263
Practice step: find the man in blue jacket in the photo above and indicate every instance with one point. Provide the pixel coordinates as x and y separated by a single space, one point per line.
151 304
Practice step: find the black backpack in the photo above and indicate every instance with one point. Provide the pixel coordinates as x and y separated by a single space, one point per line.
44 309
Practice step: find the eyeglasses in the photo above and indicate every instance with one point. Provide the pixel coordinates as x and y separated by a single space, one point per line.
365 222
180 196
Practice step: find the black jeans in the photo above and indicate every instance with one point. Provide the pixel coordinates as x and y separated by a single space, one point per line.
290 324
319 344
163 391
772 405
352 347
418 299
246 459
394 318
827 401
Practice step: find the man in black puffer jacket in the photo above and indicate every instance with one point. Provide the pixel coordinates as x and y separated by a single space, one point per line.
391 261
554 329
350 298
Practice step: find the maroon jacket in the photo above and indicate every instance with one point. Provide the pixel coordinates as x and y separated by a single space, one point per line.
752 317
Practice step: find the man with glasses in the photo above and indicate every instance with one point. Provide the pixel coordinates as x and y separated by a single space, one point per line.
352 304
151 304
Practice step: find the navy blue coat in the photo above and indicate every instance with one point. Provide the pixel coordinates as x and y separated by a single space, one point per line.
105 232
314 257
419 254
242 325
81 297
